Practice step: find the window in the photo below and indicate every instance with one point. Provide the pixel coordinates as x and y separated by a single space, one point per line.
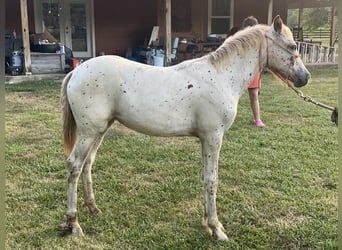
51 14
220 16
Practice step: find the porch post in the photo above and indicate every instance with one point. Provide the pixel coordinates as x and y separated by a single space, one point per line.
25 36
167 32
300 22
270 12
332 25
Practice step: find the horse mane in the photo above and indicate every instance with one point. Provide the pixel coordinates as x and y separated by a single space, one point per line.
238 44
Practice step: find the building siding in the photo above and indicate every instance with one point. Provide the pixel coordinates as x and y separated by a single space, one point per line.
122 26
119 25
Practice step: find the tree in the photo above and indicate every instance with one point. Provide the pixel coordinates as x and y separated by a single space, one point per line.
316 18
313 18
292 18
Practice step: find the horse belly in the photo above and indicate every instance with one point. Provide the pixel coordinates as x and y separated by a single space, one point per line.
156 121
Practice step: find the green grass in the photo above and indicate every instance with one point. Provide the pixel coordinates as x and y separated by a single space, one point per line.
277 189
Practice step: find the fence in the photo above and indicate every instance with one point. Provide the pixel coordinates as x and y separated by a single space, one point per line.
317 53
320 36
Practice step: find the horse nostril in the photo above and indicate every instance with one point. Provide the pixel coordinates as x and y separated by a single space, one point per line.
307 78
308 75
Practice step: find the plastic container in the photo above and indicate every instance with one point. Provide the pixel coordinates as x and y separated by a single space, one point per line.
158 60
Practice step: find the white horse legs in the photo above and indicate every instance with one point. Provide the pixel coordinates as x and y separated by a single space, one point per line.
81 156
210 153
88 193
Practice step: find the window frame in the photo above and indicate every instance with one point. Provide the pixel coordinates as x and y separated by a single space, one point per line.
230 17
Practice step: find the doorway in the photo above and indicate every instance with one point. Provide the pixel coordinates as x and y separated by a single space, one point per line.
69 21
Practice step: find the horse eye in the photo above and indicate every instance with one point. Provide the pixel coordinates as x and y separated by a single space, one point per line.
292 47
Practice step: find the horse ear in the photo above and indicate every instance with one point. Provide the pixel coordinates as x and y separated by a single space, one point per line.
277 24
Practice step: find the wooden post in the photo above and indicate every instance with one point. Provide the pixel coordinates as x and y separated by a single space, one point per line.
300 34
332 26
25 36
167 32
270 12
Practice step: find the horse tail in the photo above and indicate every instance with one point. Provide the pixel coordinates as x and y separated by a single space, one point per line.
68 120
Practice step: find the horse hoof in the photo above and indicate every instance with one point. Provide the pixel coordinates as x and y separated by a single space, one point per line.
96 211
92 207
64 226
77 231
221 236
217 230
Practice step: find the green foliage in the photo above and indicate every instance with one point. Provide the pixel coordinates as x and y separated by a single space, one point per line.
292 18
316 18
277 189
313 19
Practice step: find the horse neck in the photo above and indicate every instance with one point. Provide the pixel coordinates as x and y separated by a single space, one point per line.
240 70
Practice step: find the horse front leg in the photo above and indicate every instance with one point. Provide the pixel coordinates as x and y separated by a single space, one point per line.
210 154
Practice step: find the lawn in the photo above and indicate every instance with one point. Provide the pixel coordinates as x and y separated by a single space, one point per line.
277 189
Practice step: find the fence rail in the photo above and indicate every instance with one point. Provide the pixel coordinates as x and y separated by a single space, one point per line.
321 36
318 34
316 53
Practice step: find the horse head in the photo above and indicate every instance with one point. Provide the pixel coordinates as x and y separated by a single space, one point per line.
283 58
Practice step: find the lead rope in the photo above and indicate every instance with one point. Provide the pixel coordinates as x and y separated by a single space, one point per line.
334 115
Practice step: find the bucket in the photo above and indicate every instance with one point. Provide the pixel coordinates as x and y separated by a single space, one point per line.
158 61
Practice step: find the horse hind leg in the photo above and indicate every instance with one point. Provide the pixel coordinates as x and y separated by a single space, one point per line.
75 164
88 193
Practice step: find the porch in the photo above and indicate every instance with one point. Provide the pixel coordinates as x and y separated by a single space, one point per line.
133 21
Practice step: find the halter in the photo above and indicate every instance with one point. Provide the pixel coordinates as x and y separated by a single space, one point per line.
294 56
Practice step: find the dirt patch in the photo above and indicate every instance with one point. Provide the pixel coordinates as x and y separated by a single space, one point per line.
29 99
288 220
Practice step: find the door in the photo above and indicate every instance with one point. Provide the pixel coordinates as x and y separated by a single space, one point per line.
69 21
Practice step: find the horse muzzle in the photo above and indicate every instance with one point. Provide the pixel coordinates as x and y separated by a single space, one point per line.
300 80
